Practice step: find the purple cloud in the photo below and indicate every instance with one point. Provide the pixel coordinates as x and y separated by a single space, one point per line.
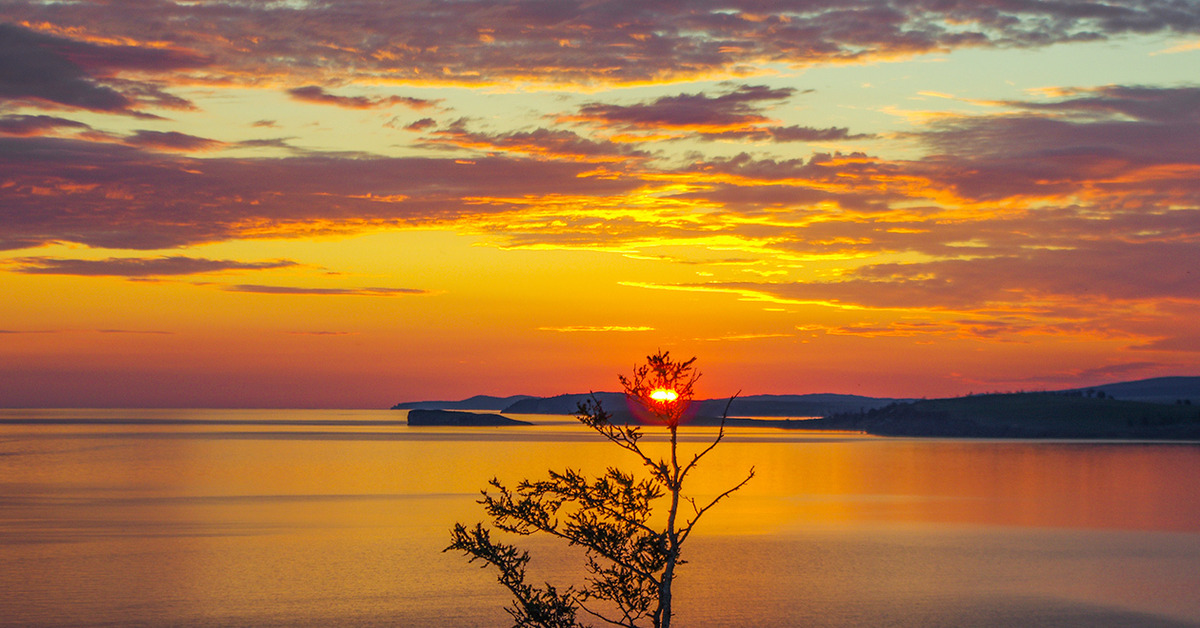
137 266
26 125
172 140
107 195
39 68
734 109
553 144
572 40
317 94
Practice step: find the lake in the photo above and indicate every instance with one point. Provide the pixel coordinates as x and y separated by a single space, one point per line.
323 518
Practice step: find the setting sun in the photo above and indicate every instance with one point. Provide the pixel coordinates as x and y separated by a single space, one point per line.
664 395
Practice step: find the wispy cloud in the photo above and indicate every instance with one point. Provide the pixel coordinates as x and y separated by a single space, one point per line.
136 266
294 290
596 328
29 125
317 94
172 141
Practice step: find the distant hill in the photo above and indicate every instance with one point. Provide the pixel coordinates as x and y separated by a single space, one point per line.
1156 390
1023 415
565 404
822 404
749 406
1158 408
478 402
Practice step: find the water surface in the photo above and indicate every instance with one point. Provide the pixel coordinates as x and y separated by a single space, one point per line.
315 518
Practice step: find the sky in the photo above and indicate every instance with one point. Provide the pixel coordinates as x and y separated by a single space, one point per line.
353 203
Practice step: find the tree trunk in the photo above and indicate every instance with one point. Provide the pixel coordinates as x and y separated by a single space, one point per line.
664 596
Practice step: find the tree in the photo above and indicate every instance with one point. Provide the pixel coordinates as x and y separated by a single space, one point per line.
630 556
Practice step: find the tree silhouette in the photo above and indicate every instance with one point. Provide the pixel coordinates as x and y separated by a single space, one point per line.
630 559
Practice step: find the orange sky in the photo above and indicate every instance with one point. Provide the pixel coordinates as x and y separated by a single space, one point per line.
295 204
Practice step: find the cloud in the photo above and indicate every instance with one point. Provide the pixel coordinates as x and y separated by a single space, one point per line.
1129 145
574 40
421 125
289 290
172 141
1096 272
317 94
542 143
136 266
734 115
104 194
27 125
50 70
595 328
809 134
1147 104
733 109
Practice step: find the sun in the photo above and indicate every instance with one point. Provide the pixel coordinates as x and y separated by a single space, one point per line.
664 395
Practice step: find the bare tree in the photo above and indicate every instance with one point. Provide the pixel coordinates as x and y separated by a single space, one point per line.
630 562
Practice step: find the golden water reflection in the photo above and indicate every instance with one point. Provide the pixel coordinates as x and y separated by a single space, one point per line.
317 518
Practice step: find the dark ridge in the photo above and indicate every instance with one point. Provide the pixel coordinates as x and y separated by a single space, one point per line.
1024 415
478 402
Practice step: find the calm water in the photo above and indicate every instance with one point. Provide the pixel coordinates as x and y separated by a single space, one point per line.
321 518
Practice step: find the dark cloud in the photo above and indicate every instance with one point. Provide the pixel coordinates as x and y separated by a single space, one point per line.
115 196
26 125
1152 104
360 292
574 40
172 141
809 134
1116 142
730 111
554 144
36 67
421 125
734 115
136 266
317 94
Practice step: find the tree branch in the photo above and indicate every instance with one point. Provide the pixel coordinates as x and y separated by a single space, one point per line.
687 529
720 434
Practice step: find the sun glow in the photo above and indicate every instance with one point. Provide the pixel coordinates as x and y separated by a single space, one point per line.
664 395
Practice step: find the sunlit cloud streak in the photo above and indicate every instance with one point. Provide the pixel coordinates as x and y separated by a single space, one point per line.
596 328
1104 271
136 266
302 291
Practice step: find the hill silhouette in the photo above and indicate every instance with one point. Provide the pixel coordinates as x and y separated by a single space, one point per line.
478 402
1024 415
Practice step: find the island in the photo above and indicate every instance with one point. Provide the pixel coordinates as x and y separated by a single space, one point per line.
425 418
